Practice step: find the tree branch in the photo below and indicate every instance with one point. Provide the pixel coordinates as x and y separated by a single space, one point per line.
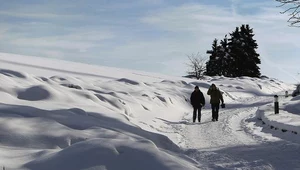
294 15
196 65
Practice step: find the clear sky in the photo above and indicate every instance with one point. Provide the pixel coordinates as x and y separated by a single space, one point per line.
148 35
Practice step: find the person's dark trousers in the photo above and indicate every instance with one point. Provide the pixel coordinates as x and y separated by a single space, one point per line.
215 111
195 113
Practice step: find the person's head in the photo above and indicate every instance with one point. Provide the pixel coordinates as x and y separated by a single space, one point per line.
213 86
196 88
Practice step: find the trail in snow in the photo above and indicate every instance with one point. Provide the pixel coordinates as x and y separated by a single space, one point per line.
230 142
226 132
215 135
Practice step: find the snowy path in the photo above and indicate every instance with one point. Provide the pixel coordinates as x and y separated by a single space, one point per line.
226 132
231 143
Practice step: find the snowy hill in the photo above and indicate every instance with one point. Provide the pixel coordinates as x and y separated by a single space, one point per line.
63 115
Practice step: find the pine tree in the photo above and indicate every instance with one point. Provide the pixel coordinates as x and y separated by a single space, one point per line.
251 57
212 66
236 56
236 53
225 57
242 49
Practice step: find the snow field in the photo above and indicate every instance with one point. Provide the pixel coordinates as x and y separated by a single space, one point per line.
64 115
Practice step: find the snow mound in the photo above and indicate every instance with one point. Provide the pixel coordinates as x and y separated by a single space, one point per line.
283 121
128 81
288 118
12 73
109 154
201 84
239 87
177 83
34 93
73 86
29 127
42 79
292 105
295 98
58 78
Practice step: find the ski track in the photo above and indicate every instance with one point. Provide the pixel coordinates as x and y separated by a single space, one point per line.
230 144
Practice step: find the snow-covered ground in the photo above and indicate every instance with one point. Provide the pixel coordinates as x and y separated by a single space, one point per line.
63 115
288 118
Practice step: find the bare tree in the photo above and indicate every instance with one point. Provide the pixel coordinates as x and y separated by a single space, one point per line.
196 66
293 10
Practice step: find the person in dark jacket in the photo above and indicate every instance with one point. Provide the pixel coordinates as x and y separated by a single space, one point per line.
197 101
215 98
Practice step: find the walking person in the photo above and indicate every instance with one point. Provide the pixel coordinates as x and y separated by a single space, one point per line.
197 101
215 98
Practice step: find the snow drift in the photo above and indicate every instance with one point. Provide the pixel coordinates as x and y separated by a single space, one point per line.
63 115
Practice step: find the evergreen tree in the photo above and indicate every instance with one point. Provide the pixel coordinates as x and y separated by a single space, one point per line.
212 66
235 51
236 56
225 57
250 57
242 49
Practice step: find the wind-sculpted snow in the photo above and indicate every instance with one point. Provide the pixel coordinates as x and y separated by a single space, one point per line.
115 154
34 93
36 127
176 83
54 117
102 116
127 81
12 73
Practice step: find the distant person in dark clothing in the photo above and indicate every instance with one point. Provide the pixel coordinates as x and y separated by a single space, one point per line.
215 98
197 101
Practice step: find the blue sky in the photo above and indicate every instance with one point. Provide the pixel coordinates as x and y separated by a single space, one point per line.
148 35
